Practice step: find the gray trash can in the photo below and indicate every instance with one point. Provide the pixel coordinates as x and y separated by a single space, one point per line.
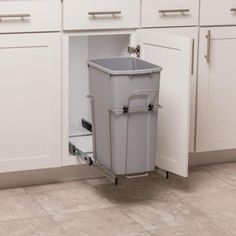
125 95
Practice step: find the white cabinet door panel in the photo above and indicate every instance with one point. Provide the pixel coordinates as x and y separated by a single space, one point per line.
174 55
30 101
191 32
216 126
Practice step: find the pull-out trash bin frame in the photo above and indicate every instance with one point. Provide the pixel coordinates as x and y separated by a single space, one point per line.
125 111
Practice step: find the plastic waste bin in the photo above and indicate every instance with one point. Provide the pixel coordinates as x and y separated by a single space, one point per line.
125 95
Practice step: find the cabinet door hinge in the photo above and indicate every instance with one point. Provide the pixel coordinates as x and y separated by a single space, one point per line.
134 50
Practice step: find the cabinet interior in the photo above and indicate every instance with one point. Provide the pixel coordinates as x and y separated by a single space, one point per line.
81 49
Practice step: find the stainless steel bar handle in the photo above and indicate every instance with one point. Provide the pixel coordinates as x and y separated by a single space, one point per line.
94 13
233 9
182 11
193 56
22 16
208 55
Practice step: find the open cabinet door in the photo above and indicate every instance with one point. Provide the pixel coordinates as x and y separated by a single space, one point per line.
174 54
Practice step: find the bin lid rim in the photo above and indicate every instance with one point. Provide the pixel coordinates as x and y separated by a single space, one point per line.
155 69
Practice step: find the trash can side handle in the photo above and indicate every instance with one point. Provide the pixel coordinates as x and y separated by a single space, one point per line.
144 92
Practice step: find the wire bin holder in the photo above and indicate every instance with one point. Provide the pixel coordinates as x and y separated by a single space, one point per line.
92 160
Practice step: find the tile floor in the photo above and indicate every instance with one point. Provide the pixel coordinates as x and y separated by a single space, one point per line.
201 205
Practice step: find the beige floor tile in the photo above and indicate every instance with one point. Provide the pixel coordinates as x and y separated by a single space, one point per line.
201 205
226 172
222 166
195 173
190 229
192 186
131 191
141 233
217 206
150 218
18 206
227 224
45 226
11 192
98 181
40 189
68 197
110 221
157 215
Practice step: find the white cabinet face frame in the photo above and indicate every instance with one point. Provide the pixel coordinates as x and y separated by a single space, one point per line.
216 127
161 49
30 101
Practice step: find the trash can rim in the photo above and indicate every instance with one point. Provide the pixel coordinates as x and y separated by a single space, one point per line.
155 69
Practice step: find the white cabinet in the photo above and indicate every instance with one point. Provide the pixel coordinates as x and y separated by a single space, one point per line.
172 52
216 116
102 14
165 13
30 101
30 64
218 12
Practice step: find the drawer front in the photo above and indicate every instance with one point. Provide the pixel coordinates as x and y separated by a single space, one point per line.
29 15
102 14
218 12
164 13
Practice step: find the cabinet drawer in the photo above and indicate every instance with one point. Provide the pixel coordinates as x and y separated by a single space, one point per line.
218 12
102 14
29 15
164 13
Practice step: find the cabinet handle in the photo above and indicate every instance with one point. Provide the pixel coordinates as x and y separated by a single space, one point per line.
208 55
193 55
22 16
182 11
233 9
113 13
